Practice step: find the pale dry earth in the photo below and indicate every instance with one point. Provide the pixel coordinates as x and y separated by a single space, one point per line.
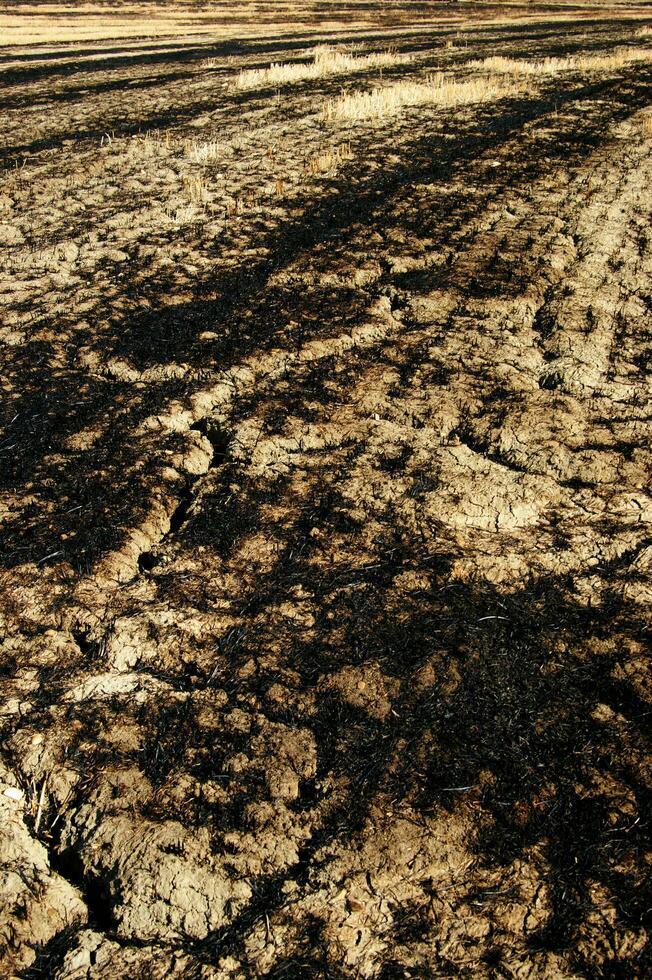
325 547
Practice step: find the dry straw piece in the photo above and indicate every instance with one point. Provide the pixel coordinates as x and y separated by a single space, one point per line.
203 152
196 189
326 61
328 161
145 145
552 66
442 90
438 89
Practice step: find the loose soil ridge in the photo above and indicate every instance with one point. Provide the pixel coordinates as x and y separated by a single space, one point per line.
325 547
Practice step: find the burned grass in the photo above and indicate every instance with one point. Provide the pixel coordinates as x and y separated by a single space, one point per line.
325 527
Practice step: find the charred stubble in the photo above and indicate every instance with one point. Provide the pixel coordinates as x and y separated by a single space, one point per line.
325 544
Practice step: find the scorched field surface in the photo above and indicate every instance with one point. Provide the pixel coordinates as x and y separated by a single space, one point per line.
325 551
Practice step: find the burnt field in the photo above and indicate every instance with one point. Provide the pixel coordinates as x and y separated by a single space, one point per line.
325 545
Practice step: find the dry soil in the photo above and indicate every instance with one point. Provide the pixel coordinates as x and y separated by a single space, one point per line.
325 551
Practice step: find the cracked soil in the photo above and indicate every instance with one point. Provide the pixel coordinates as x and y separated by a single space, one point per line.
325 549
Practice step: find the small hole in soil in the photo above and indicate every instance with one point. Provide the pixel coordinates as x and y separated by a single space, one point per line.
218 438
147 561
179 516
550 382
82 640
94 891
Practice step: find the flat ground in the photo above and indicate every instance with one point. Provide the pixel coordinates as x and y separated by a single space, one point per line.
325 551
